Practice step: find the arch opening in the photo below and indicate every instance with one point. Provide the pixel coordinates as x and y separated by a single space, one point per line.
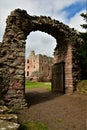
38 62
41 43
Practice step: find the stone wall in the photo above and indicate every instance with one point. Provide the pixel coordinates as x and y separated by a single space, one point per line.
38 67
12 53
8 120
68 53
64 54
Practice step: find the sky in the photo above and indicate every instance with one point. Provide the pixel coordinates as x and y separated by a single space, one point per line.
66 11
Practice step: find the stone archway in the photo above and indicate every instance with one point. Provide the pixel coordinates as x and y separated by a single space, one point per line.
12 53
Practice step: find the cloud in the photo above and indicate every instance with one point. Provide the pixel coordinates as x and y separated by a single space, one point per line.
76 21
40 42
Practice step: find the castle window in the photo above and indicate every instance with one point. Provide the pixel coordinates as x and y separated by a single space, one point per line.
27 67
27 60
48 68
27 73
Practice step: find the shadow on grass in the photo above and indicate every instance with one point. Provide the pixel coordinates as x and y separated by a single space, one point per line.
37 96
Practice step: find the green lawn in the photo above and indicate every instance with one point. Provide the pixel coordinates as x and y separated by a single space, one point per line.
81 86
30 85
31 125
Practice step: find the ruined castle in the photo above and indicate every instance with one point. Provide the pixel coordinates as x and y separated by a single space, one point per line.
38 67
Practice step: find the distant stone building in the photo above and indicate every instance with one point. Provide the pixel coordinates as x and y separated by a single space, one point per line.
38 67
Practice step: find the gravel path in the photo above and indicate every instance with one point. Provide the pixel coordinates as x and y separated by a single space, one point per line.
57 111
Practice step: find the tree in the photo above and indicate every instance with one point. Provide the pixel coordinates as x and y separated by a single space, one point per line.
85 18
83 49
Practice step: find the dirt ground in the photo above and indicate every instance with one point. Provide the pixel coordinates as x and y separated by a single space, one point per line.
57 111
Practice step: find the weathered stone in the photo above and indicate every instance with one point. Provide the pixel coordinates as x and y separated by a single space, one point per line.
18 71
11 70
21 54
3 109
17 86
7 125
20 67
2 102
13 64
9 117
10 94
8 121
19 77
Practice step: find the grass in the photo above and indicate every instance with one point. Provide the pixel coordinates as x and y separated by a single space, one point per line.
32 125
60 120
30 85
82 87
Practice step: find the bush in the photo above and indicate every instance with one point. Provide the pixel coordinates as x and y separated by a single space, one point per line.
82 86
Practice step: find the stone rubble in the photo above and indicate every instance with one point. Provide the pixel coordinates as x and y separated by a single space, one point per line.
8 121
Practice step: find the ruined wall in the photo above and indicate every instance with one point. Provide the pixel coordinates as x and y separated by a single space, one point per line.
38 67
64 54
12 63
68 53
12 53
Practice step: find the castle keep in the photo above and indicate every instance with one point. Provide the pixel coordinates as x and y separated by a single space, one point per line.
38 67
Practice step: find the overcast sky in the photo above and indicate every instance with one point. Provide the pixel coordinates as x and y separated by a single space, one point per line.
66 11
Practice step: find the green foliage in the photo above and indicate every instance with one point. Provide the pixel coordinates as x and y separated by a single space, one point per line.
82 50
31 125
82 87
30 85
85 18
83 36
